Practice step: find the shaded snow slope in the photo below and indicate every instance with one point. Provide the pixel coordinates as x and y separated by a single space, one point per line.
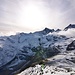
11 46
17 50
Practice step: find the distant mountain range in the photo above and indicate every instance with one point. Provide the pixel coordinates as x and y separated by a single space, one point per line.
18 51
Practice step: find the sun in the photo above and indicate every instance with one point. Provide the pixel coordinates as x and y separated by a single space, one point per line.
32 16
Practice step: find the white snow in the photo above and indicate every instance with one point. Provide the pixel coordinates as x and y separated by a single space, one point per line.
10 46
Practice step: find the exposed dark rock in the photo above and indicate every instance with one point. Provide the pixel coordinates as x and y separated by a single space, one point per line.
71 46
68 69
45 31
70 26
58 30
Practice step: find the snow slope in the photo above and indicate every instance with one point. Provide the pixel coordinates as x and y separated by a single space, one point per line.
16 50
60 64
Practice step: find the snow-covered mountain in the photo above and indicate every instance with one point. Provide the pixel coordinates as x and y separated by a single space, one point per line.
71 26
45 31
17 52
58 30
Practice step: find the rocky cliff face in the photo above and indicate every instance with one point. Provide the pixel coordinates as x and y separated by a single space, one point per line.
71 46
71 26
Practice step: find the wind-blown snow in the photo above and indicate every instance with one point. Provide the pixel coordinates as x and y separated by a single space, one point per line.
69 33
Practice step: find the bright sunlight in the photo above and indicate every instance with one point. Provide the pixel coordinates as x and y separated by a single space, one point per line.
31 16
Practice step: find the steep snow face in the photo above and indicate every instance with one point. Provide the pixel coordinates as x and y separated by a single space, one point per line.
13 45
16 49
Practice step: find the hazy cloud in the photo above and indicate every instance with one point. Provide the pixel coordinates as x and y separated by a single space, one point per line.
59 13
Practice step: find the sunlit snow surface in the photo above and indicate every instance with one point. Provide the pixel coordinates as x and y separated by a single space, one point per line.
11 46
59 64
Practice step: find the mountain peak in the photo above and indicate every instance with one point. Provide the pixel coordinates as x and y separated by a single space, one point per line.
58 30
70 26
47 30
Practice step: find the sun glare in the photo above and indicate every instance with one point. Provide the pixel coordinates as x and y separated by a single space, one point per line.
36 16
32 16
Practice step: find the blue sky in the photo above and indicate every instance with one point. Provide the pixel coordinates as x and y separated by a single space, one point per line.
33 15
